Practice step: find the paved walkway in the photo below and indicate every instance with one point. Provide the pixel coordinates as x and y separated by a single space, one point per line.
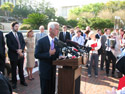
88 85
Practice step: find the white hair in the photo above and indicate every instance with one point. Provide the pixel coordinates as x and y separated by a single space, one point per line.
91 33
52 25
41 27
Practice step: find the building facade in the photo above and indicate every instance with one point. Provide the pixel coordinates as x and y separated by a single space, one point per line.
11 1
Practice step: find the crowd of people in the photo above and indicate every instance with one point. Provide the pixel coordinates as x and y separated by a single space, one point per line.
109 45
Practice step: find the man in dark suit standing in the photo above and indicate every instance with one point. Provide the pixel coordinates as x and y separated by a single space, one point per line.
46 52
2 52
16 45
64 35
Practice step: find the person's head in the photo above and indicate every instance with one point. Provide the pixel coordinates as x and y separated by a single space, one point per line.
92 35
88 28
72 31
41 28
78 33
30 33
99 32
77 28
121 32
105 30
64 28
53 28
15 26
108 32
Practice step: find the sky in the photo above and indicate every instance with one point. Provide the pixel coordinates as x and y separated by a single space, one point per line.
59 3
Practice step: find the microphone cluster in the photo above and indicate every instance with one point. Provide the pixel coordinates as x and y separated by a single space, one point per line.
72 47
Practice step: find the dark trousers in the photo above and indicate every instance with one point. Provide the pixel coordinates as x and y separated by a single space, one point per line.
2 64
103 56
110 58
14 65
93 60
48 85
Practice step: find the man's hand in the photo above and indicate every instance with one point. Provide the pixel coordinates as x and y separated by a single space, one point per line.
52 52
19 51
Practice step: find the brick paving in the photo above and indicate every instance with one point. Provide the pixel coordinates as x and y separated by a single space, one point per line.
88 85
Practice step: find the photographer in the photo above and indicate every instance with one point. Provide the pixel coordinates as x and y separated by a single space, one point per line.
111 52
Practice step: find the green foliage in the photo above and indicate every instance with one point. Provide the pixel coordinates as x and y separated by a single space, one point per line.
7 7
25 27
83 22
22 11
61 20
98 23
95 23
72 23
93 8
36 19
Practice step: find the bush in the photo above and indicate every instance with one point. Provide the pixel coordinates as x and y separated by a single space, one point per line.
25 27
98 23
72 23
35 20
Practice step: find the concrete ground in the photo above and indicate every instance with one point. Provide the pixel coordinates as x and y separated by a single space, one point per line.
88 85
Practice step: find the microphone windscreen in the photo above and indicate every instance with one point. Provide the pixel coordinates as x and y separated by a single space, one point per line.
72 43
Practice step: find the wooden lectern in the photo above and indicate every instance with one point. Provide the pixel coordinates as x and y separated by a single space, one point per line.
69 76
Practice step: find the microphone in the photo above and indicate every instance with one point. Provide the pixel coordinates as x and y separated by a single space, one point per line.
72 43
60 44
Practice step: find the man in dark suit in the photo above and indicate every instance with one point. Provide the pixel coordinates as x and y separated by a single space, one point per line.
2 52
46 52
64 35
16 45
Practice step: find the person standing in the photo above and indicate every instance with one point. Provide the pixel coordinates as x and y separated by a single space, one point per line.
16 45
46 52
93 58
64 35
109 55
30 44
2 52
40 34
103 48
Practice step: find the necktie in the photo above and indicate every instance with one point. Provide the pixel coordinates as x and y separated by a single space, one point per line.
19 46
52 44
64 34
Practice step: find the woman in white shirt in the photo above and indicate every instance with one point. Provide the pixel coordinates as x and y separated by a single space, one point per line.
95 44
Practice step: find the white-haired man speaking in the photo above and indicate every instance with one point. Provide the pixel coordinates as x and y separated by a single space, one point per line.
46 52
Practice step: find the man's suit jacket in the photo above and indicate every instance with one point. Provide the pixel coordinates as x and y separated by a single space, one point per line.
42 53
103 41
97 36
61 36
5 87
2 46
13 45
38 36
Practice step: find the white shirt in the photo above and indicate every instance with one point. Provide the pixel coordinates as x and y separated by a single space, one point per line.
15 34
80 40
50 38
90 42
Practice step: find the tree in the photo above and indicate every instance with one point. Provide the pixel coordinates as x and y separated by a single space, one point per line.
61 20
98 23
72 23
36 19
7 8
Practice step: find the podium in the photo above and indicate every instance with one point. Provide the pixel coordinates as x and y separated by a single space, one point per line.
69 76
